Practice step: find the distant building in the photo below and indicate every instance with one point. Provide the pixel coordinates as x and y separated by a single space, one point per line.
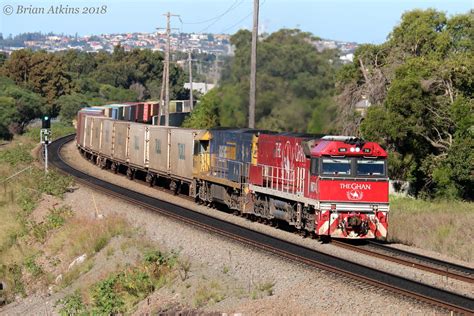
348 58
362 106
201 87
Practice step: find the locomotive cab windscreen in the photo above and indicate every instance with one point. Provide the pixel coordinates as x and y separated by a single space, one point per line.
355 167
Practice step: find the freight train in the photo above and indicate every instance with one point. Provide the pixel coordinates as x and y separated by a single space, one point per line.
328 186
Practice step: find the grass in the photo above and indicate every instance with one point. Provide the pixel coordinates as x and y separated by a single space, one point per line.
261 289
87 235
441 226
19 196
208 294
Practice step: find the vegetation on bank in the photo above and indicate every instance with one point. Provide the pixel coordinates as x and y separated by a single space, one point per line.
440 226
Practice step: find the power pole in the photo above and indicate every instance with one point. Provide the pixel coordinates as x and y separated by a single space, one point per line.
167 66
253 66
163 79
216 70
190 65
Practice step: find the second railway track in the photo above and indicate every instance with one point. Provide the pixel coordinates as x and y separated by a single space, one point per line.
360 273
443 268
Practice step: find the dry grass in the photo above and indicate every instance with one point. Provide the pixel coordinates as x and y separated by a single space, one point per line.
442 226
87 235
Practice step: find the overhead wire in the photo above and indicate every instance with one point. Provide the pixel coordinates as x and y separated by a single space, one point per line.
233 6
216 19
241 20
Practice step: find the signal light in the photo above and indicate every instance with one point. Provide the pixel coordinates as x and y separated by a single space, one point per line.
367 150
342 150
46 122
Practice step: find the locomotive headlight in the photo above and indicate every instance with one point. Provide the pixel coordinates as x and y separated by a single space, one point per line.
352 149
357 149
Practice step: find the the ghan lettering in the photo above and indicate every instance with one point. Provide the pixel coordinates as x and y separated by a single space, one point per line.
355 186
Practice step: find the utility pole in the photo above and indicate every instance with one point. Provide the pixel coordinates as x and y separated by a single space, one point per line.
190 65
167 67
216 70
253 66
161 109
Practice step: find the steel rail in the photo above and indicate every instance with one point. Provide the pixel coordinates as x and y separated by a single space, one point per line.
405 262
344 268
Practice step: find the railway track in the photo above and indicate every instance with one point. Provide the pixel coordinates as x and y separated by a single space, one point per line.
344 269
410 259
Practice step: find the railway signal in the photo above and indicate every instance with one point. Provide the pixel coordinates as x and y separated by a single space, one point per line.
46 122
45 135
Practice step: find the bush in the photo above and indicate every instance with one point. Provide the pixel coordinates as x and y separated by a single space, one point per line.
32 267
106 300
72 305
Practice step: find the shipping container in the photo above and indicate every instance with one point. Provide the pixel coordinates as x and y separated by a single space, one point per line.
157 155
149 108
155 108
80 136
139 112
175 119
137 142
107 137
96 128
121 132
179 106
130 112
182 152
115 111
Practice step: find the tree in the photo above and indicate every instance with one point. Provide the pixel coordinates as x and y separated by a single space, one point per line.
206 114
70 105
18 107
41 72
292 80
421 89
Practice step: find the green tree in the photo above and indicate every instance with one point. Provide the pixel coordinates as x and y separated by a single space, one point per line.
70 105
421 87
295 83
18 107
206 113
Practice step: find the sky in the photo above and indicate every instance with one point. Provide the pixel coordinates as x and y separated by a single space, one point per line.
362 21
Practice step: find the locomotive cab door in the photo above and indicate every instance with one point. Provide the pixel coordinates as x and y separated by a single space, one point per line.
202 161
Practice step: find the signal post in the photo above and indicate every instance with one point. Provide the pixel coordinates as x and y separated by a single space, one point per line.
45 135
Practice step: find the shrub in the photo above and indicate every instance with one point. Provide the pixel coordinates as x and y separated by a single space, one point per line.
72 305
32 267
106 300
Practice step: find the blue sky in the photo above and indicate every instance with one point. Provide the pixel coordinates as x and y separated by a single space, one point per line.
363 21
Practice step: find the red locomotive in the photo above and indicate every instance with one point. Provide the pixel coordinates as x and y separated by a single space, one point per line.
334 185
329 186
